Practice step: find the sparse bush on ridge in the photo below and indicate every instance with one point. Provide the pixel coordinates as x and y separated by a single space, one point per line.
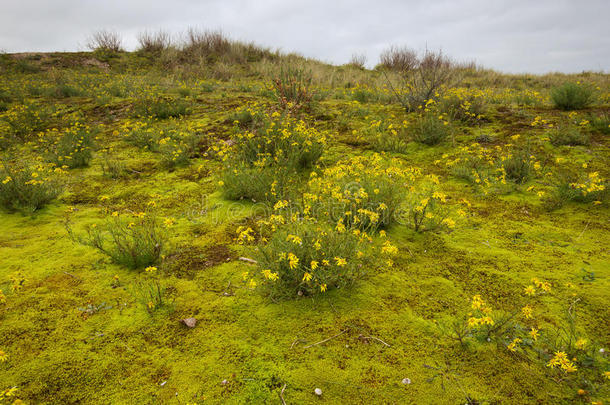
154 42
358 60
420 77
105 40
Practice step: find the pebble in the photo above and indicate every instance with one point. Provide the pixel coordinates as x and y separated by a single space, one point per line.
318 391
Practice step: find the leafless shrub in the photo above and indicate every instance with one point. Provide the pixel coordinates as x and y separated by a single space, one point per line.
420 77
358 60
105 40
154 41
206 43
400 59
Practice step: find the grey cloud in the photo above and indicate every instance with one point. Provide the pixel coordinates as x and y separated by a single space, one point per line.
507 35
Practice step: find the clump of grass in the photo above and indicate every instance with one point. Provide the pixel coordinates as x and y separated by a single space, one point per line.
134 241
69 148
569 135
161 108
430 128
151 294
27 188
112 168
518 166
292 89
600 123
572 96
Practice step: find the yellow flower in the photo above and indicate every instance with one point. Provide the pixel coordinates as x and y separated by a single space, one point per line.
513 345
340 261
115 214
607 374
534 334
293 261
252 283
150 269
322 287
527 311
314 264
307 277
150 305
580 343
3 356
530 290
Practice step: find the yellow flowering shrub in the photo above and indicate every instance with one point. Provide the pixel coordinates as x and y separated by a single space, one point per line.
71 147
26 187
361 192
308 258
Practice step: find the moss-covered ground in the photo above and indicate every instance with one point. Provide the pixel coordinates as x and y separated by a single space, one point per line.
77 331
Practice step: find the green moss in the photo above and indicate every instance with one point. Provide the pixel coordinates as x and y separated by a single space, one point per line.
76 333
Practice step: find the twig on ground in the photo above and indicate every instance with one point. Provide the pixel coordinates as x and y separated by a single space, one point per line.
327 339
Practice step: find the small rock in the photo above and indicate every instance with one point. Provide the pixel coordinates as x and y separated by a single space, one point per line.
248 260
318 391
300 293
190 322
224 382
163 383
406 381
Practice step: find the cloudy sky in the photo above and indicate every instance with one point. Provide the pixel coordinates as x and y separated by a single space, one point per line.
509 35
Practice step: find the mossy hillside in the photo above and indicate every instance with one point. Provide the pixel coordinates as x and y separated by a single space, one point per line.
74 333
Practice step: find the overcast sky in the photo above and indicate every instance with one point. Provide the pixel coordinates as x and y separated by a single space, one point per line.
509 35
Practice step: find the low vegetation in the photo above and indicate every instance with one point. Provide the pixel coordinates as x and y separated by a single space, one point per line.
206 220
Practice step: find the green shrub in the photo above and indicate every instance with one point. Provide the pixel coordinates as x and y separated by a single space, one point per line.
280 147
135 241
466 105
387 137
143 136
572 96
518 166
306 258
64 91
27 188
600 123
161 108
581 188
425 208
569 135
430 129
71 147
264 184
174 152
